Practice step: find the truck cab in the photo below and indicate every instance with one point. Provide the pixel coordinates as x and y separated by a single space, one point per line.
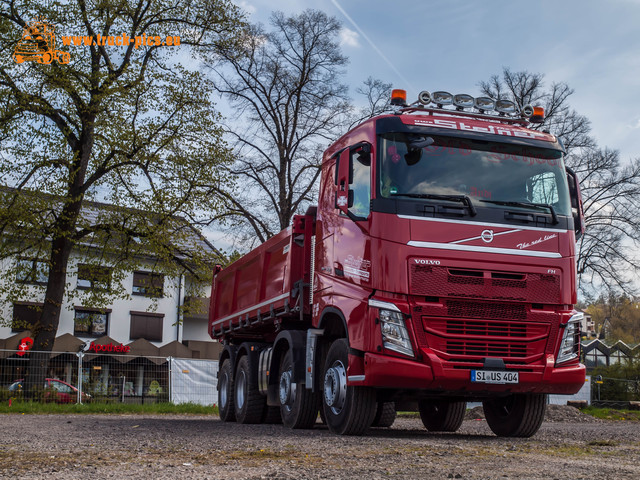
443 270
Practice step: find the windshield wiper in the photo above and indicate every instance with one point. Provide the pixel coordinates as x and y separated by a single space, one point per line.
527 205
464 199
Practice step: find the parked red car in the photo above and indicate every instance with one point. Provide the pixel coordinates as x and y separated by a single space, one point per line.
64 393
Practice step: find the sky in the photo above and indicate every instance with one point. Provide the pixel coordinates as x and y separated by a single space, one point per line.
593 46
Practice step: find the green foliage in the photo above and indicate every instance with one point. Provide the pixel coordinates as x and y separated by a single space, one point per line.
620 382
20 407
612 414
132 127
623 315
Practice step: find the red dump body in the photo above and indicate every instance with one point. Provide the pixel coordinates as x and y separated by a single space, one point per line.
255 293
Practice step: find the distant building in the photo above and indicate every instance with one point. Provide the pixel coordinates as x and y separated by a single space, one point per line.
152 313
596 353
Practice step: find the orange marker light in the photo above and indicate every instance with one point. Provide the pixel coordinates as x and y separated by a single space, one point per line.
538 115
399 97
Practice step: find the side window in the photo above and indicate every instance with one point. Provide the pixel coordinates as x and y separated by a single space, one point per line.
148 284
542 188
32 271
361 186
94 276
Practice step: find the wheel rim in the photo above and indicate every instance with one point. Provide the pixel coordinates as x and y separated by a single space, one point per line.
335 387
241 389
287 390
224 391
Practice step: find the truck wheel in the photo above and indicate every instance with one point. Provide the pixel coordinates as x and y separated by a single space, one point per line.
385 416
250 404
226 388
347 410
272 415
516 415
442 415
298 405
47 58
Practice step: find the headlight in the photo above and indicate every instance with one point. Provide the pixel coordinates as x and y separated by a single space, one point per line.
394 330
570 344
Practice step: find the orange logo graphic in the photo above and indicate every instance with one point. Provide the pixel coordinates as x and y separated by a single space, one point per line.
38 43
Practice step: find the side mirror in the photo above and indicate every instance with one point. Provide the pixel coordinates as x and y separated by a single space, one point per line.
343 175
576 202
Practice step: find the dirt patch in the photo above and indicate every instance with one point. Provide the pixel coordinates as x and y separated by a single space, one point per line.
165 447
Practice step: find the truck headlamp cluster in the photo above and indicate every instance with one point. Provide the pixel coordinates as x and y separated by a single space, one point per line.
395 335
570 344
482 104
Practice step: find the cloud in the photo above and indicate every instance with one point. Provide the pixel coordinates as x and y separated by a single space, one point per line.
247 7
349 38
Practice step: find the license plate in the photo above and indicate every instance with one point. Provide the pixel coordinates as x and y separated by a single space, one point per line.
494 376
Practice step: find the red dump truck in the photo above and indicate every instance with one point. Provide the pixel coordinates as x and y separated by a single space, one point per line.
437 268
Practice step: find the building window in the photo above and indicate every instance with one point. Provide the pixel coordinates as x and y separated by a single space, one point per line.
91 323
94 277
25 315
32 271
146 325
148 284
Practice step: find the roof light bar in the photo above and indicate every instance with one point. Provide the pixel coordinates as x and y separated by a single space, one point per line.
462 101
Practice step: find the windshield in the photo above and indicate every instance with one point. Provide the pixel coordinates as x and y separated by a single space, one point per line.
490 174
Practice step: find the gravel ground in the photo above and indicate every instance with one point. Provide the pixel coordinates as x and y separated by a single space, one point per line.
569 445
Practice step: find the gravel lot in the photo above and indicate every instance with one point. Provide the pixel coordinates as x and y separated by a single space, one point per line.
569 445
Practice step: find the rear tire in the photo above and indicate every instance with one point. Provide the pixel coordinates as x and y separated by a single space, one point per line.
298 405
442 415
347 410
272 415
385 416
249 403
518 415
226 389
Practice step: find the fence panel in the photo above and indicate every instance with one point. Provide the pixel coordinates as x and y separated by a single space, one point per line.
194 381
88 377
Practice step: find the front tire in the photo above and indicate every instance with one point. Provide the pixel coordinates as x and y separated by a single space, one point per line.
518 415
250 404
226 388
442 415
298 405
347 410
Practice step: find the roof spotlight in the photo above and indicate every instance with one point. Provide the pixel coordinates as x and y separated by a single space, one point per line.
424 97
442 98
527 111
484 103
462 100
505 106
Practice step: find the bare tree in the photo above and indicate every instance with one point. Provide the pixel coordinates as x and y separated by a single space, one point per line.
610 189
289 104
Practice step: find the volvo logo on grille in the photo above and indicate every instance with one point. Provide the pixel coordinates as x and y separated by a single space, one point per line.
425 261
487 236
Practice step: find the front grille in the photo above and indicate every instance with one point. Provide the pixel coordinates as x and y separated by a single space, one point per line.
465 330
436 281
486 329
486 349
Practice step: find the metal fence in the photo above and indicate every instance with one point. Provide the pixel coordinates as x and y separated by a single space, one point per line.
109 378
